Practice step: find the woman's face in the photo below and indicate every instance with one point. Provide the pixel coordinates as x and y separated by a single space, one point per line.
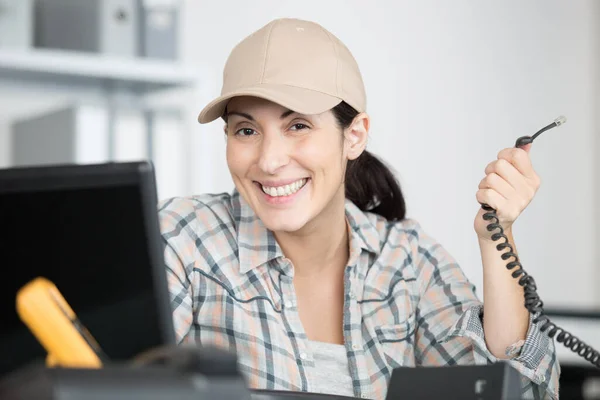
289 167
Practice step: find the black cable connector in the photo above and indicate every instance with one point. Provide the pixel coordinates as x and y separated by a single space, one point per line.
524 140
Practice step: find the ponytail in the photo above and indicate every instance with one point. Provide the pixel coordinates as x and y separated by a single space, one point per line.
370 184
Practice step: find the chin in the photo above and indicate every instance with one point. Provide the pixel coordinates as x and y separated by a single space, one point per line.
282 221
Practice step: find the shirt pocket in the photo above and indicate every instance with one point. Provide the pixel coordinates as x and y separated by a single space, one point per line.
397 343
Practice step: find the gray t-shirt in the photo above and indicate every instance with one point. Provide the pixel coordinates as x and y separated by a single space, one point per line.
331 374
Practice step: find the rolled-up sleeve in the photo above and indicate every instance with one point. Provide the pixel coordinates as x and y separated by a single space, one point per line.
534 358
450 325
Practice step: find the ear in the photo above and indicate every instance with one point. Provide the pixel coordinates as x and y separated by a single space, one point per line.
356 136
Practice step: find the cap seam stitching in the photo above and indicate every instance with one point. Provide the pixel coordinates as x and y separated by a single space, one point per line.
337 61
264 67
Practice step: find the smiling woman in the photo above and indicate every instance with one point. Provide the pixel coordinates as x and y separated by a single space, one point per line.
312 150
309 270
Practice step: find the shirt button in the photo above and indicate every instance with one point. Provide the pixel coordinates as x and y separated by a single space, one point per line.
355 347
542 379
303 356
289 304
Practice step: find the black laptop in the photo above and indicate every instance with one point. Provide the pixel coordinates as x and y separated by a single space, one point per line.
93 231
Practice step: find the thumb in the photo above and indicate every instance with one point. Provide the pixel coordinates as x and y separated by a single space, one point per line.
527 147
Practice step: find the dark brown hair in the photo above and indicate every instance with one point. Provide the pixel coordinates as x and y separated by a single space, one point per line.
370 184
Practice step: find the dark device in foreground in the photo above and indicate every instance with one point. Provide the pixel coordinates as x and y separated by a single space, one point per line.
497 381
197 374
93 231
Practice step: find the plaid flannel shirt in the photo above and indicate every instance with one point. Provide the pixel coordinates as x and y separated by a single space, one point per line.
406 301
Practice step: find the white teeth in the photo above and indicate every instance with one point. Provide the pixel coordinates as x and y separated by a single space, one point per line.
284 190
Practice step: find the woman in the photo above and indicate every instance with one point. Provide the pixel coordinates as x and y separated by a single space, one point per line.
310 270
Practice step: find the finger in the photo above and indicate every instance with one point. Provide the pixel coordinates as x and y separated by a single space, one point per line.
520 159
491 198
510 174
496 182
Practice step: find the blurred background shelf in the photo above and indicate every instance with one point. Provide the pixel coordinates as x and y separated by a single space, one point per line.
68 68
96 81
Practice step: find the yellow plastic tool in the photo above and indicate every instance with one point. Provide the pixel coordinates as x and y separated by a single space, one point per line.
51 320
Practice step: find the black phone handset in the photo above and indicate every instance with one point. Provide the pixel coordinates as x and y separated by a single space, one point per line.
533 303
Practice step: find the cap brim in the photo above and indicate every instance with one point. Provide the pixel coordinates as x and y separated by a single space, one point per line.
300 100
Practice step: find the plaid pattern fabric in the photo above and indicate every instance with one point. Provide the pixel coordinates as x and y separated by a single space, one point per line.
407 302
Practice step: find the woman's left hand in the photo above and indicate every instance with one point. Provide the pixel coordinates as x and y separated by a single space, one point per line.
509 186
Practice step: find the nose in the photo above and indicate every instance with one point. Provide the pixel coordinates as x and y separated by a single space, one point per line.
274 153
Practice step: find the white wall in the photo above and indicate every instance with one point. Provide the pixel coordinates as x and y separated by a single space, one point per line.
449 85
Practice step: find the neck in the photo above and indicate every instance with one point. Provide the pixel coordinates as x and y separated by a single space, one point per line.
320 245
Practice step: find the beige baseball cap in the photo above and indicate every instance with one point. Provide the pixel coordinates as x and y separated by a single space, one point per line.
295 63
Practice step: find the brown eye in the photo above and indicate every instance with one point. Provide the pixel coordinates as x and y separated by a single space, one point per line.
245 132
299 127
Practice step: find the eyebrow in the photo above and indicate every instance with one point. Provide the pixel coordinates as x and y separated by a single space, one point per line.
286 114
241 114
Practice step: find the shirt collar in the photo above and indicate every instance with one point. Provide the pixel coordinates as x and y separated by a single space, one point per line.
363 229
257 244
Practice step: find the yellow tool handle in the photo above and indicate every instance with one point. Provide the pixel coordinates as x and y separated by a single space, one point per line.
52 321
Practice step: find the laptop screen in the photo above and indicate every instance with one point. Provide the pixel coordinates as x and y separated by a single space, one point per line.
93 232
